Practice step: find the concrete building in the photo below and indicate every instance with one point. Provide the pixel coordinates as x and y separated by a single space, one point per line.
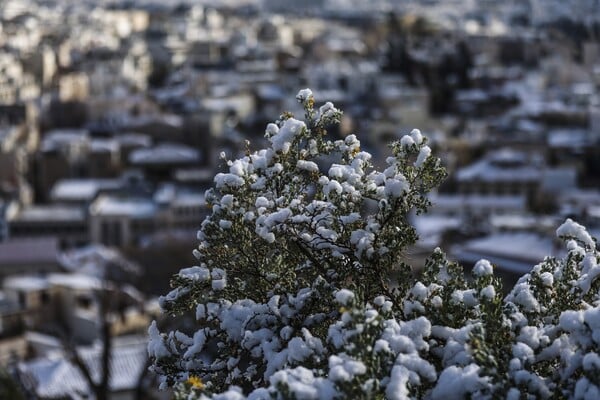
73 87
121 221
502 172
81 192
62 155
65 222
159 162
126 220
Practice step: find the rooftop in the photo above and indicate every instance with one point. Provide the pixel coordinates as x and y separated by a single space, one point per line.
430 228
95 259
134 139
76 281
447 201
56 377
26 283
104 145
58 138
170 193
81 189
512 252
50 213
501 166
168 153
188 199
568 138
194 175
133 207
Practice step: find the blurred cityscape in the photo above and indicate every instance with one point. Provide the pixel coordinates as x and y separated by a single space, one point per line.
113 115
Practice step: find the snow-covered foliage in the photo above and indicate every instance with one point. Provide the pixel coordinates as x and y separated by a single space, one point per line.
301 290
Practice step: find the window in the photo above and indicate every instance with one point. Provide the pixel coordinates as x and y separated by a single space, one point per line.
44 297
84 302
110 233
22 299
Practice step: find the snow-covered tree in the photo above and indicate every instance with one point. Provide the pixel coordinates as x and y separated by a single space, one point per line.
301 289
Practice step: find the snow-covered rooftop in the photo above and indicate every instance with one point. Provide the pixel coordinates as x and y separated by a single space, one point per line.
134 139
104 145
460 202
95 259
593 211
430 228
51 213
512 252
75 281
171 194
172 120
194 174
568 138
168 153
81 189
165 193
270 91
188 200
55 377
504 165
26 283
522 222
59 138
133 207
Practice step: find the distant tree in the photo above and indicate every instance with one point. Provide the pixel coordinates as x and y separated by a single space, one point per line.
109 305
294 295
99 386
